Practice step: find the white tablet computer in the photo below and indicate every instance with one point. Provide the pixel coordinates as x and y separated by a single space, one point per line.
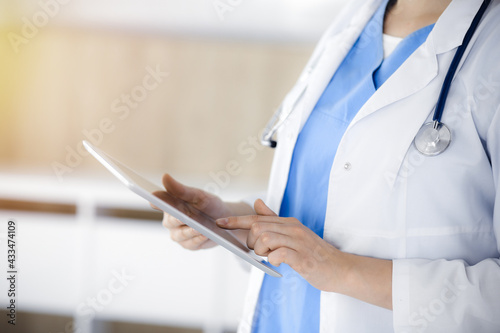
179 209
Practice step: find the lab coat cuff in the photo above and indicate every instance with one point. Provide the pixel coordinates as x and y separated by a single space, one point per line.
401 294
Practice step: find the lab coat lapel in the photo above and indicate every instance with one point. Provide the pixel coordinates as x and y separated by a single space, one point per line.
413 75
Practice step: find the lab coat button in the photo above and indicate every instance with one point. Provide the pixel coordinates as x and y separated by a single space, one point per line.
347 166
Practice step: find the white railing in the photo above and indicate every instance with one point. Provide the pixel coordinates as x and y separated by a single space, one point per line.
79 257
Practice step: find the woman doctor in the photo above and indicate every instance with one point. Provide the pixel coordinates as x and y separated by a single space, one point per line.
369 234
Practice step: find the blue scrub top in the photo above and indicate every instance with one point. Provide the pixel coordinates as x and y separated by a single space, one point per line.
290 304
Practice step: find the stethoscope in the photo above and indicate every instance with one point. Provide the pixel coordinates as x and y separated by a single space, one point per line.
432 139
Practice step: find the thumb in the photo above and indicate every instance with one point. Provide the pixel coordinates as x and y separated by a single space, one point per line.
180 190
261 208
172 185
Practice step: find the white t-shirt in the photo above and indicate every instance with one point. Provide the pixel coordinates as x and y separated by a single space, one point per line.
390 44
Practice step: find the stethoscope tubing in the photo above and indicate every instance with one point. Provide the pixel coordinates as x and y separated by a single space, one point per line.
438 113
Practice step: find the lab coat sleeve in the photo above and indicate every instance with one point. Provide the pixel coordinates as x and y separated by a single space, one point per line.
452 296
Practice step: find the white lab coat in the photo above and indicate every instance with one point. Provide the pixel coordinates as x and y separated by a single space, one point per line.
438 217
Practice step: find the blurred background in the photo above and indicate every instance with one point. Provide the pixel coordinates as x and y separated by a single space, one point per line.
176 86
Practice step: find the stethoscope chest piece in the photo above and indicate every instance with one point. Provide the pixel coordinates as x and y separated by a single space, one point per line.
432 139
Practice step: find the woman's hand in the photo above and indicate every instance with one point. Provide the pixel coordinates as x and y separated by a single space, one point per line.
208 203
287 240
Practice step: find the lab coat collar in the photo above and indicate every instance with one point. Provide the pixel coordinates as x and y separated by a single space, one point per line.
335 48
448 33
452 25
422 65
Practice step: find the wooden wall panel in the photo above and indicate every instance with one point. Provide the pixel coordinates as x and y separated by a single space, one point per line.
217 94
